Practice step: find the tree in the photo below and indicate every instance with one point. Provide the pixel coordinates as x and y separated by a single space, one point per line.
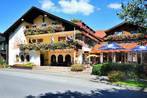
135 12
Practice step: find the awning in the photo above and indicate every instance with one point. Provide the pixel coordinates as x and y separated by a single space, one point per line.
127 47
140 48
111 46
92 56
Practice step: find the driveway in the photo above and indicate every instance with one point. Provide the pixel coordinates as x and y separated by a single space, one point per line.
17 84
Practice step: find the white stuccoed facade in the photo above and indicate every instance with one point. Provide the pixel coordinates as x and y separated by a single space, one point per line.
16 38
35 57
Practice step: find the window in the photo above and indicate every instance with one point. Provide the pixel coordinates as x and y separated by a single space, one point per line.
17 58
22 58
34 25
61 38
54 23
30 41
44 25
28 58
118 33
2 46
34 40
79 36
39 40
133 32
27 27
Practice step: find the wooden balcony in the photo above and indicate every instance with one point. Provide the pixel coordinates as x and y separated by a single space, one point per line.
130 37
34 30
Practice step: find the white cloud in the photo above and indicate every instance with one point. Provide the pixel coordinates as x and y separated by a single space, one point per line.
68 6
76 6
114 6
47 4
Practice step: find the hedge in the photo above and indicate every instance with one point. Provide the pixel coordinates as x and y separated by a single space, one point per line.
106 68
96 69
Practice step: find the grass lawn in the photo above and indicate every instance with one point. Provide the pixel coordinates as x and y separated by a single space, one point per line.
133 83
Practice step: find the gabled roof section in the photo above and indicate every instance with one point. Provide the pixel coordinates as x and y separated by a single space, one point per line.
84 26
115 27
33 13
87 29
100 34
122 26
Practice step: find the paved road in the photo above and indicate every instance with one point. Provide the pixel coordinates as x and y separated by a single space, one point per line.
15 84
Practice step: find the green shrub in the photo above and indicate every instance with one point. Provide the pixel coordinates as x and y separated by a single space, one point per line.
131 75
27 65
132 71
141 71
115 76
77 67
108 67
96 69
3 63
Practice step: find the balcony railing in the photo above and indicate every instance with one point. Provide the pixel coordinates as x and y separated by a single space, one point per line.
52 46
44 29
125 37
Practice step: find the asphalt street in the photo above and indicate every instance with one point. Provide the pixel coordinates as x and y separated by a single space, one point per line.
15 84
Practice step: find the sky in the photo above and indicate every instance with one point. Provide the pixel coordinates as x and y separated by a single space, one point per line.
98 14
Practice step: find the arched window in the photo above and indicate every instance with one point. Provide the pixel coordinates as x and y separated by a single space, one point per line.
68 60
60 59
22 58
17 58
28 58
53 59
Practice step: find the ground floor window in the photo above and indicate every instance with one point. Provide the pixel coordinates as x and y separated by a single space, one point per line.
17 58
28 58
22 58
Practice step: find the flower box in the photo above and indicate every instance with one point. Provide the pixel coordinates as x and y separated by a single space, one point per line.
24 66
21 67
125 37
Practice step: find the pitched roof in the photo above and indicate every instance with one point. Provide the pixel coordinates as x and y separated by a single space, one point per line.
33 13
84 26
124 25
100 34
115 27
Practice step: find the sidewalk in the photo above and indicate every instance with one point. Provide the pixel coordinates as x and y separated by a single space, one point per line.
57 71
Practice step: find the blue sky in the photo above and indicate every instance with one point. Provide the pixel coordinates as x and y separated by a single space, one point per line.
98 14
